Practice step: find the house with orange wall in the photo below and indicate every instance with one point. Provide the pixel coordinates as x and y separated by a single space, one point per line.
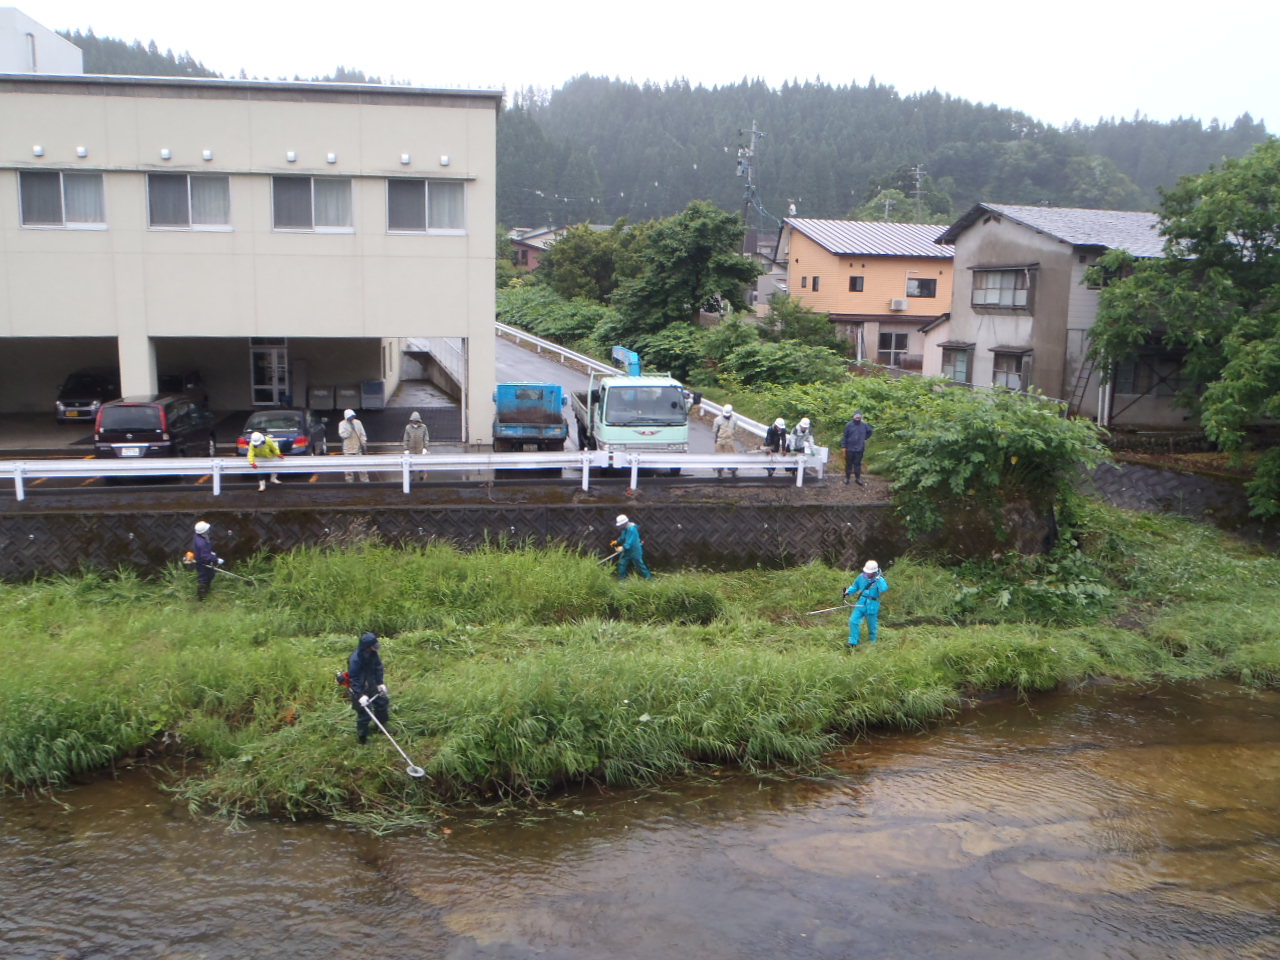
880 283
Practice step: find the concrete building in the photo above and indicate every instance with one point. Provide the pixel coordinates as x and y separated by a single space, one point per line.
27 47
282 238
878 282
1021 313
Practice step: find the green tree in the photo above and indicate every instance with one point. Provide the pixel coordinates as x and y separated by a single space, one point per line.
583 262
1214 296
687 263
789 319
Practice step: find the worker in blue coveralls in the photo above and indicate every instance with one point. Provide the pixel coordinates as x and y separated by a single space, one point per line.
866 591
630 552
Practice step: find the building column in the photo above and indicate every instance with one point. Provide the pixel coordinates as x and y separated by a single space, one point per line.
137 354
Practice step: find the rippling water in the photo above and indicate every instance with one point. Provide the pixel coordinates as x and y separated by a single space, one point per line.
1112 824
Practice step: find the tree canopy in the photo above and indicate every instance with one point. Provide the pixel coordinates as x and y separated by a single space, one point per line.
1214 297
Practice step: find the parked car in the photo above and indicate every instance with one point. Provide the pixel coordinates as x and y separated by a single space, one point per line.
296 432
154 426
83 392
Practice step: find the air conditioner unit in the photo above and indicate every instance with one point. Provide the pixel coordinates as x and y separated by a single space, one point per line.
898 303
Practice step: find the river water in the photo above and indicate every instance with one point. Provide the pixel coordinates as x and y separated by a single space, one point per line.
1113 823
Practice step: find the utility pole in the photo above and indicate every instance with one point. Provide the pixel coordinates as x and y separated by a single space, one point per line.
746 170
918 170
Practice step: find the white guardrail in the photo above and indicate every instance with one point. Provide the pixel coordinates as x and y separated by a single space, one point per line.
217 469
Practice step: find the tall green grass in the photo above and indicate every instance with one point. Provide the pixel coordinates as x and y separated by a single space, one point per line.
515 672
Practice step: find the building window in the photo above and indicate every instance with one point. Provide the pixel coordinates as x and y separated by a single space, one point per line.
855 284
804 283
816 281
322 204
957 364
179 200
893 349
425 206
1010 369
1000 288
1150 374
56 199
917 287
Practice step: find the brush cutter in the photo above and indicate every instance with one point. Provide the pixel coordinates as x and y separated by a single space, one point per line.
844 606
189 562
612 556
412 769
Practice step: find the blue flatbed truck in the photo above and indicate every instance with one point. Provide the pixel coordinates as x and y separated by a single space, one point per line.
529 416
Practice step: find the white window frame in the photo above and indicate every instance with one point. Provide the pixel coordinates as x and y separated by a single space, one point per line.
323 228
428 229
190 225
1013 295
949 357
64 223
1002 378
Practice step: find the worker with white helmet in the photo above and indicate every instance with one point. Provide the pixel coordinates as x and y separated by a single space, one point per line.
206 562
630 549
724 429
354 440
866 591
263 447
775 441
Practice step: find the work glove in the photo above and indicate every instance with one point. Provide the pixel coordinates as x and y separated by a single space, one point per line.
221 561
254 465
406 453
382 689
618 548
364 701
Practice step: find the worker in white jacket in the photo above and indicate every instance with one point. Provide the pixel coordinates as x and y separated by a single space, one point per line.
354 440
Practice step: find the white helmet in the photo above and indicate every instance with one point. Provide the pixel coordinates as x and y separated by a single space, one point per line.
804 423
622 520
871 567
202 527
780 424
728 409
257 439
348 413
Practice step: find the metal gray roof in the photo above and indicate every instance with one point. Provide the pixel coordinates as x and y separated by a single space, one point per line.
1135 231
869 238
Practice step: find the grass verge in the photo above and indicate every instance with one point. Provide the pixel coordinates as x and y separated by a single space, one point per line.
517 672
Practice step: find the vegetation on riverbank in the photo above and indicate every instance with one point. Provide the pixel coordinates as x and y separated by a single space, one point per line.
516 672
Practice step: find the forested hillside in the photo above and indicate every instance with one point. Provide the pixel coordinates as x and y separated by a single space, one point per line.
599 149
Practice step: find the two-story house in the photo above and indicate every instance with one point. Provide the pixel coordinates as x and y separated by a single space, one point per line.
878 282
274 235
1021 312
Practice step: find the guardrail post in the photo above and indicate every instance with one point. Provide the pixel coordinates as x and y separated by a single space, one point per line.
586 469
635 470
404 467
17 481
215 470
800 458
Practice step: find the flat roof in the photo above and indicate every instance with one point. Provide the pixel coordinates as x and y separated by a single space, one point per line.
222 89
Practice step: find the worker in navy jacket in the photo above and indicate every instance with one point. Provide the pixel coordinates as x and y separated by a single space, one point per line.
364 667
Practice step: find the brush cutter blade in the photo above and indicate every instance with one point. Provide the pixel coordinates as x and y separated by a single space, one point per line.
415 771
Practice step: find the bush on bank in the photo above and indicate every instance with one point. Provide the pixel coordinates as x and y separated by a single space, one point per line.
517 672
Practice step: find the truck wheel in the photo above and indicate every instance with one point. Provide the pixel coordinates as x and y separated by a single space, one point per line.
555 446
501 446
584 441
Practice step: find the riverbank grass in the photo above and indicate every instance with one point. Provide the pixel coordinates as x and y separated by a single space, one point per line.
514 673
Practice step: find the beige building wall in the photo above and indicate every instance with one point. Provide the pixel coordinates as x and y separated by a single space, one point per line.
136 283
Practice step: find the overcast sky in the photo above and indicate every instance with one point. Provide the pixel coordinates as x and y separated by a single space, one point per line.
1056 62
